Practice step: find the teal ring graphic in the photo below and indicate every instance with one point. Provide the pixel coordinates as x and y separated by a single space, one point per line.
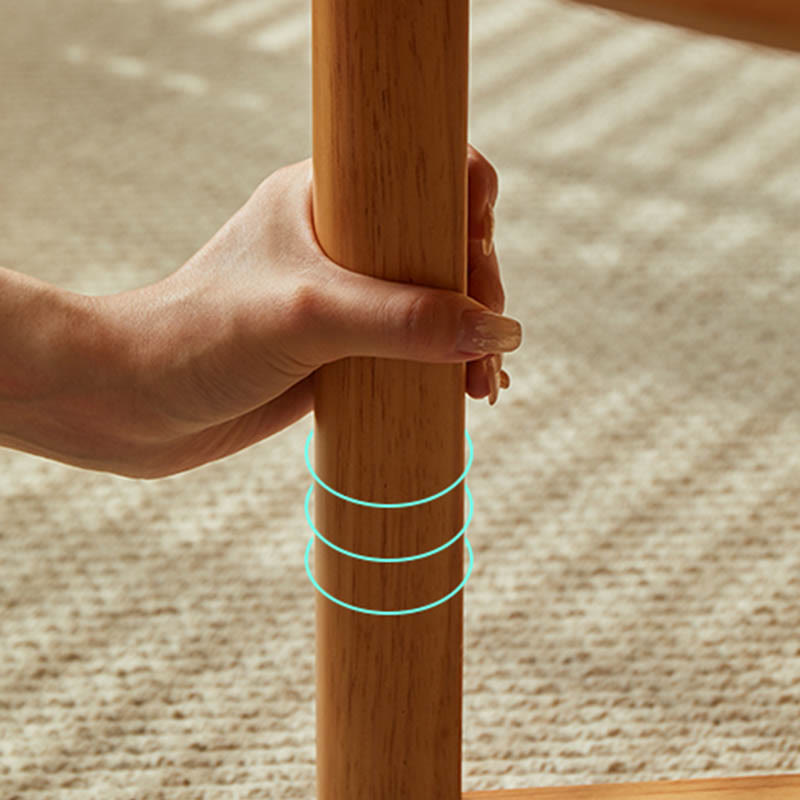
390 505
391 613
407 558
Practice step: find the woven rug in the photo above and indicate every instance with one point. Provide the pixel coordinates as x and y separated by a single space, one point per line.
634 609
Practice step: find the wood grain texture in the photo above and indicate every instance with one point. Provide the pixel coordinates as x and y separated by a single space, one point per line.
761 787
775 23
390 94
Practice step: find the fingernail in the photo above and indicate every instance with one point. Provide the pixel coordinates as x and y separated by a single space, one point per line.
494 388
487 332
494 380
487 371
488 226
497 363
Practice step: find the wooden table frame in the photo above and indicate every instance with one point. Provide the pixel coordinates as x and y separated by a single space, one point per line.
390 104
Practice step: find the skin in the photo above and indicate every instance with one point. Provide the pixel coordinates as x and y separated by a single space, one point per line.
221 353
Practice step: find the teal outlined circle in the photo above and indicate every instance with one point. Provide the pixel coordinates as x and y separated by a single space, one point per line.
389 505
390 613
394 560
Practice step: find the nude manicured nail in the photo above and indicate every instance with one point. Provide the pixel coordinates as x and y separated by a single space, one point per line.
487 371
487 332
493 369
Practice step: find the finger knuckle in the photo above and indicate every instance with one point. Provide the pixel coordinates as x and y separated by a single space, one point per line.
480 165
494 184
500 300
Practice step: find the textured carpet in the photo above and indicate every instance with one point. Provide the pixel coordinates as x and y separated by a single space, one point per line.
635 604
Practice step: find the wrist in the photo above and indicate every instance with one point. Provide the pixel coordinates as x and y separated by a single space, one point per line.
58 365
153 336
27 326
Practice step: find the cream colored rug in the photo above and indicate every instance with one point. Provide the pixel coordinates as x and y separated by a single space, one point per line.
634 612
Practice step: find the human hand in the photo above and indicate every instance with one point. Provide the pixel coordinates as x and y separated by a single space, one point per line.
223 351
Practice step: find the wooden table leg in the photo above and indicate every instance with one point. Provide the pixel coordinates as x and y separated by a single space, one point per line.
390 200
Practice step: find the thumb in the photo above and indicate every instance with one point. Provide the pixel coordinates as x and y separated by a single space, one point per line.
366 316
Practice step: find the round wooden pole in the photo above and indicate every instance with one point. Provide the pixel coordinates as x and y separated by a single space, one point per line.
390 89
